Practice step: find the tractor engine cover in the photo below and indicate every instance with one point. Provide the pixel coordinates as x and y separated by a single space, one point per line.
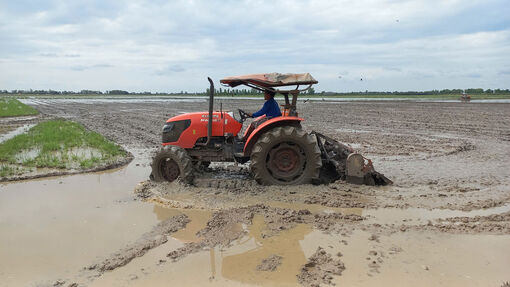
186 129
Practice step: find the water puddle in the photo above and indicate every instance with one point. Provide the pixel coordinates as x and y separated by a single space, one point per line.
17 119
93 101
402 259
17 131
199 219
55 226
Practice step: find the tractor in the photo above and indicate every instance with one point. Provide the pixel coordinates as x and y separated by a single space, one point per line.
280 152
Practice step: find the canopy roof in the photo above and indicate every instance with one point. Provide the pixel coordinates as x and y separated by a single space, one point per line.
270 80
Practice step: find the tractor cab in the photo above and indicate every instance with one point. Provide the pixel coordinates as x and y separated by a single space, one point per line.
273 82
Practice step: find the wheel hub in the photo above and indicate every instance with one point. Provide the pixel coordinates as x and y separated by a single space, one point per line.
170 169
286 161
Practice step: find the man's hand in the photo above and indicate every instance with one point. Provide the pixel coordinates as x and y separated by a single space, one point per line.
250 114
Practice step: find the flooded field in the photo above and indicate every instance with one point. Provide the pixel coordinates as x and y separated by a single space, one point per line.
445 221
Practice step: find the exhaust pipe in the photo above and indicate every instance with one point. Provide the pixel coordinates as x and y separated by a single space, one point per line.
209 122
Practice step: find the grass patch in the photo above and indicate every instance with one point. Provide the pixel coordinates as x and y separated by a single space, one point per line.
57 144
10 107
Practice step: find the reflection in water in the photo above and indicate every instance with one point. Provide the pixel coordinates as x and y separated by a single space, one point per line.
242 267
213 263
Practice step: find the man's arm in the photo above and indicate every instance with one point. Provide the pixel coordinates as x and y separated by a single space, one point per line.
262 111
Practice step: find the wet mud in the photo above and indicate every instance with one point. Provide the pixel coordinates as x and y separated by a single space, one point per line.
270 263
319 269
148 241
449 203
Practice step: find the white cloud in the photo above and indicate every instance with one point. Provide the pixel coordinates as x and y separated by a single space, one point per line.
174 45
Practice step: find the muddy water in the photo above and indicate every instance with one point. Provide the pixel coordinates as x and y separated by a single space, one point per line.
403 259
9 133
52 228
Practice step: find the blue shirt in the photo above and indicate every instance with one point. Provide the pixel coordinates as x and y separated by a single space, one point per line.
270 109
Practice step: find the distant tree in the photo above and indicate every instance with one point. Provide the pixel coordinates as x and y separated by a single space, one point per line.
118 92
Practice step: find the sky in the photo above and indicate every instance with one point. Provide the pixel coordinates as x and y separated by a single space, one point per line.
172 46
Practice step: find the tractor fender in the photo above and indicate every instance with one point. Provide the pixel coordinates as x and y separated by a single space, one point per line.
267 125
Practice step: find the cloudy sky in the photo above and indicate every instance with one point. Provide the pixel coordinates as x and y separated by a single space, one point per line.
169 46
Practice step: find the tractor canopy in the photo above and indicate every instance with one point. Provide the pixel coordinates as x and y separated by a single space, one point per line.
270 80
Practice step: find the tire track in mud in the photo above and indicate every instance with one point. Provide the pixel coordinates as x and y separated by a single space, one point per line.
395 133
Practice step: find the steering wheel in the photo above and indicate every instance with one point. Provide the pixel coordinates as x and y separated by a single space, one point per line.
244 115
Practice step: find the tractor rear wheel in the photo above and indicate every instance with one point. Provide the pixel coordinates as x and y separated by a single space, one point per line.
285 156
170 163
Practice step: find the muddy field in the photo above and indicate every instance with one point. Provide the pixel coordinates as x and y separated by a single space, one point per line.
444 222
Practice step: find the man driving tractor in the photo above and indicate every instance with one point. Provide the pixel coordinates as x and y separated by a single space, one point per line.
270 107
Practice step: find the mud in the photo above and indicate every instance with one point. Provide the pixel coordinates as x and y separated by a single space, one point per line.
320 269
491 224
270 263
449 203
225 226
440 155
154 238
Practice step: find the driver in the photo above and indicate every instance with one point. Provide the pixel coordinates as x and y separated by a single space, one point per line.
270 107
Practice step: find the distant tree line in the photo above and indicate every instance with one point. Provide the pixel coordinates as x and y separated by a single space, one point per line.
233 92
432 92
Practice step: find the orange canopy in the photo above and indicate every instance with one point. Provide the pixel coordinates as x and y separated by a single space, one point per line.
270 80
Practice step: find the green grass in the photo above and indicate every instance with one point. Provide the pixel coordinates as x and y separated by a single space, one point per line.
57 144
10 107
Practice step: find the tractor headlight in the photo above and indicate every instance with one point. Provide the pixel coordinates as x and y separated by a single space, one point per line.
168 127
173 130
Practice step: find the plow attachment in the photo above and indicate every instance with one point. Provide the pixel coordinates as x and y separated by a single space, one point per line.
340 161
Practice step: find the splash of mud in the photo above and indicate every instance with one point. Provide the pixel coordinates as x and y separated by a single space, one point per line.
270 263
320 269
152 239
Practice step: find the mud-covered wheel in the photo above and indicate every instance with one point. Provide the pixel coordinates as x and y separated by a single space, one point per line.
285 156
171 163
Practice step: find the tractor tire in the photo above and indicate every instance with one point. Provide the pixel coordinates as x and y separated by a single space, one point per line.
171 163
286 156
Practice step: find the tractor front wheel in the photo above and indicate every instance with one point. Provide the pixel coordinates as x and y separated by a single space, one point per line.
170 163
285 156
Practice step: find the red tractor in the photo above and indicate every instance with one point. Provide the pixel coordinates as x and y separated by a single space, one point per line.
279 150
